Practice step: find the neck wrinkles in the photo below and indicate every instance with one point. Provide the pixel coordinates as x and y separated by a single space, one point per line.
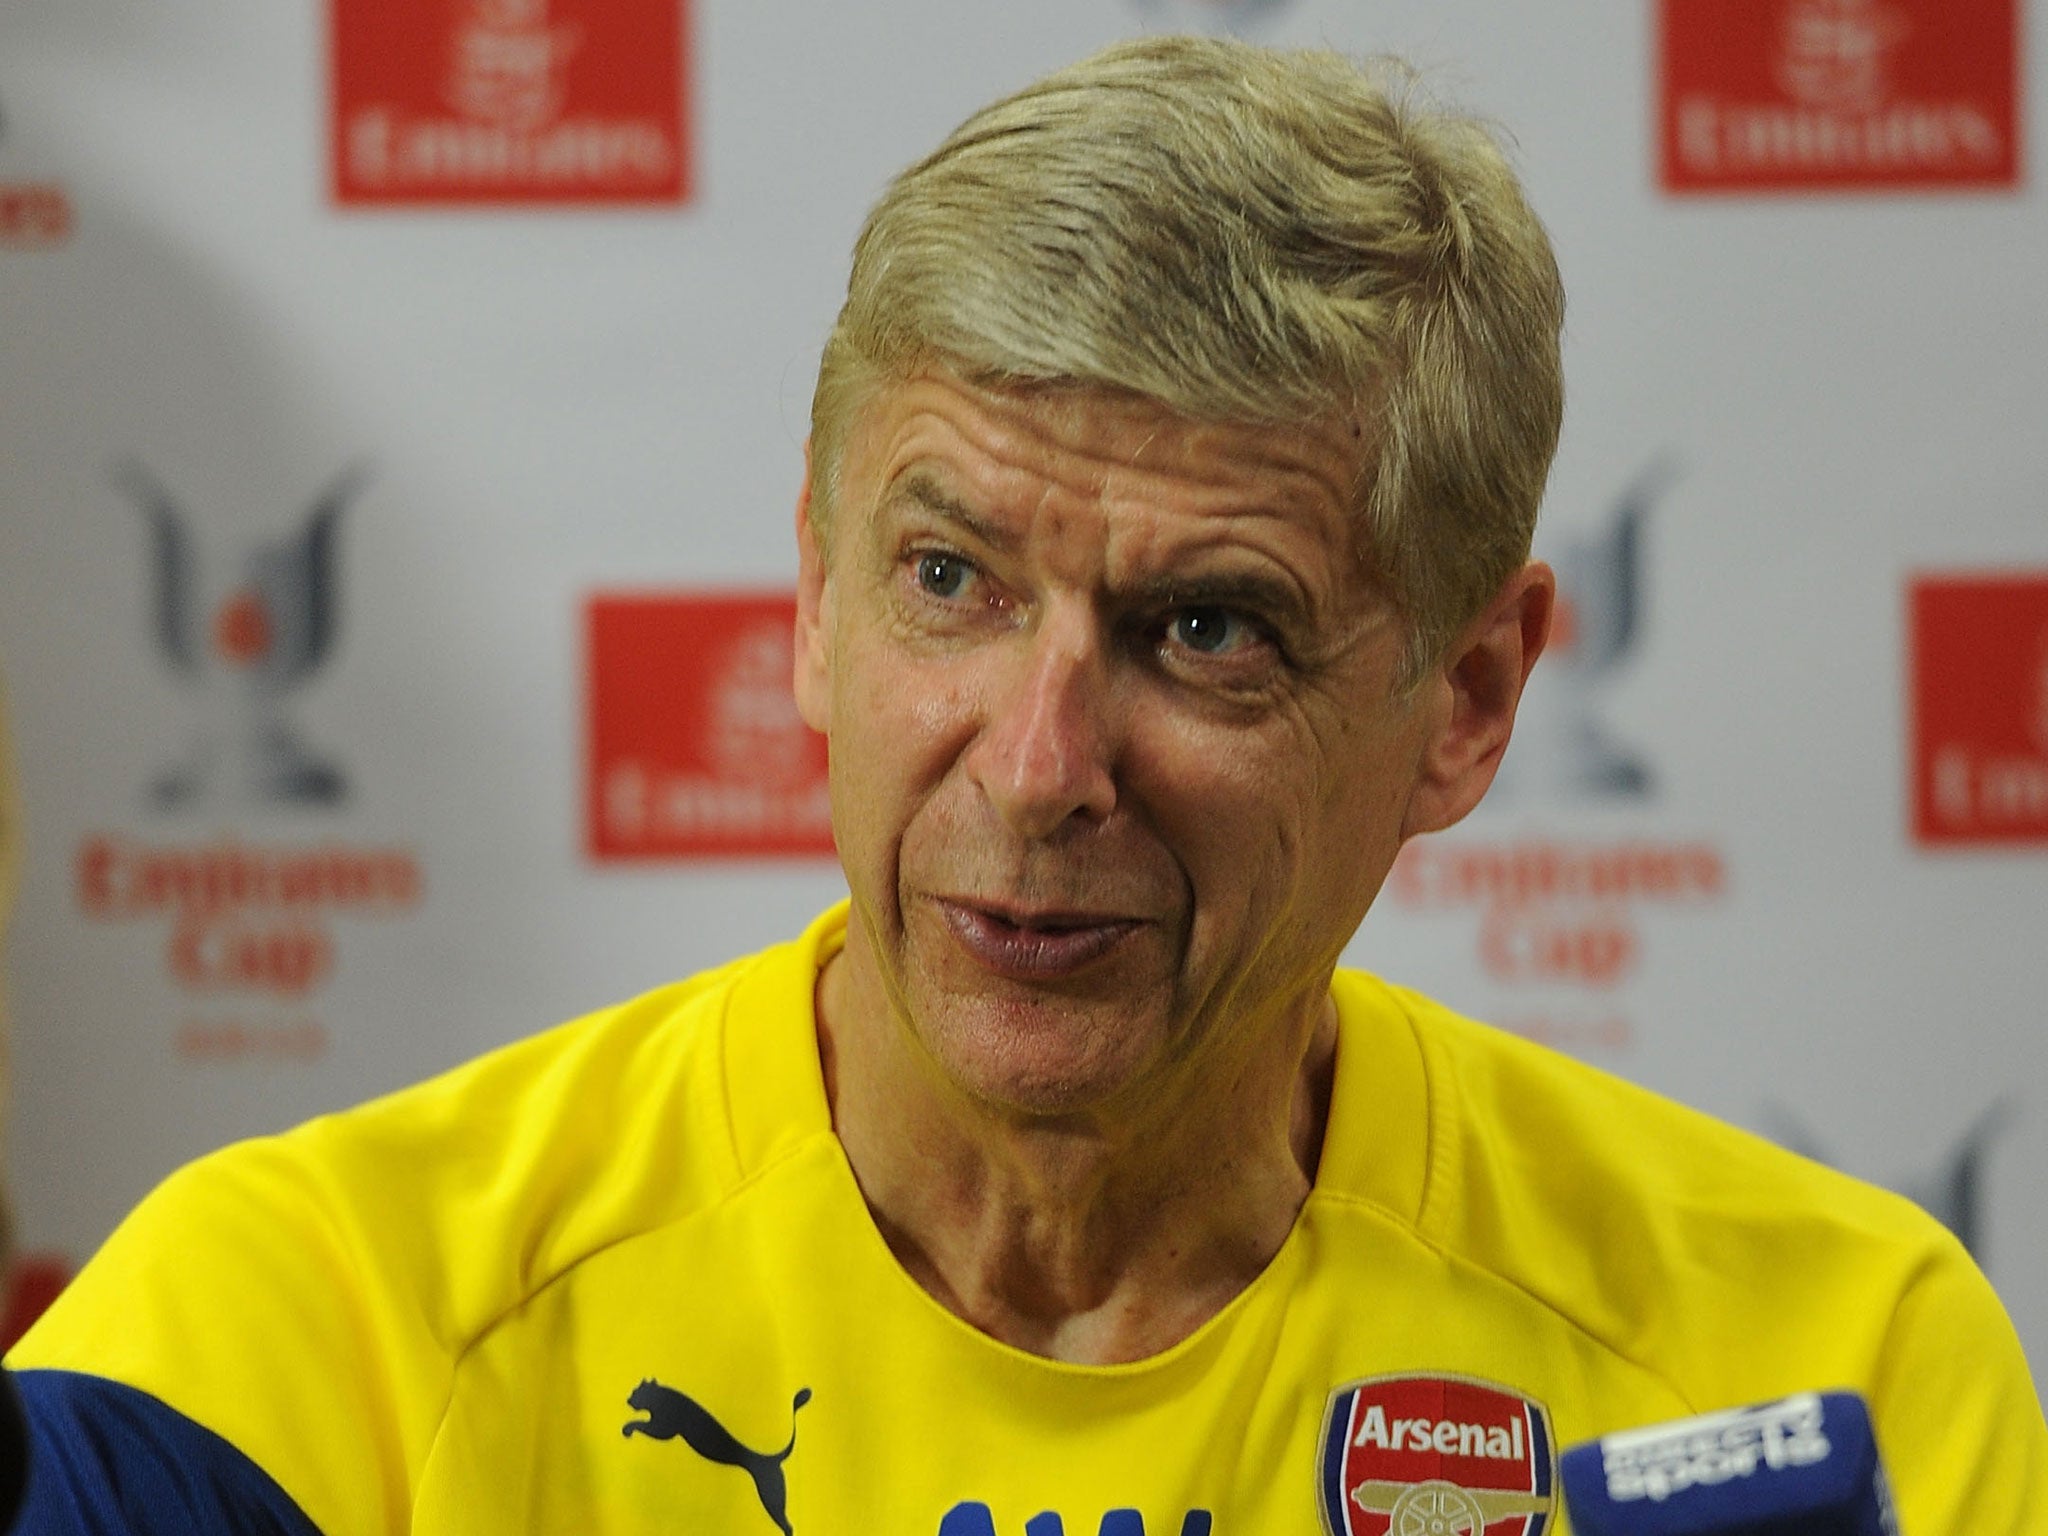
1089 1239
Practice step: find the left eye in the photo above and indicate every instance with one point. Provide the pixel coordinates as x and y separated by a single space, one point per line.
1211 631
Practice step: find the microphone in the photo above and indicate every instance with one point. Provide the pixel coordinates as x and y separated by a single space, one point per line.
1805 1465
13 1453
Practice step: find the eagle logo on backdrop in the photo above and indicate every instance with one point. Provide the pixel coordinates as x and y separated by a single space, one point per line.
245 649
1950 1189
1561 745
1435 1456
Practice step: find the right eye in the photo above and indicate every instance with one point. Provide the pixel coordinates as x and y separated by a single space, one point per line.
942 574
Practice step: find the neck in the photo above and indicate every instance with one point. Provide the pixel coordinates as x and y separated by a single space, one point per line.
1091 1237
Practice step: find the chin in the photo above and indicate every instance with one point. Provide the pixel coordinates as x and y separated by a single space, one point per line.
1036 1061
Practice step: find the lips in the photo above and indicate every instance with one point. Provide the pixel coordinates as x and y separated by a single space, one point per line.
1036 946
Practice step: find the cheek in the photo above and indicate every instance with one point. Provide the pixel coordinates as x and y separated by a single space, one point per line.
898 727
1364 812
1230 804
1285 820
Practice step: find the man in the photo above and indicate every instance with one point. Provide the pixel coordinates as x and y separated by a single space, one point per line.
1164 565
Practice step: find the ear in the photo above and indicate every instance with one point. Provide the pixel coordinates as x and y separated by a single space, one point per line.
813 616
1478 684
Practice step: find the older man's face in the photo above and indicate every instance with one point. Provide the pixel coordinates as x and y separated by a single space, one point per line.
1117 760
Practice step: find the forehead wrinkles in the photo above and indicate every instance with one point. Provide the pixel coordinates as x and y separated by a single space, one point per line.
1120 449
1125 452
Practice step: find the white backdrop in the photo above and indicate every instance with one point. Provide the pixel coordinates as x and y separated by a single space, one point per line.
316 502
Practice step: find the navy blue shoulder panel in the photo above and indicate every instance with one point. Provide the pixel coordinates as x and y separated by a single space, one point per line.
107 1460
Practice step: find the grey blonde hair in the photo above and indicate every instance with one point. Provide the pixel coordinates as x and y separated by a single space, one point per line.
1241 235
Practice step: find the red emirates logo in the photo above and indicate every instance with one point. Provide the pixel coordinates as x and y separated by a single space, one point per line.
508 102
34 214
1980 709
696 748
1785 95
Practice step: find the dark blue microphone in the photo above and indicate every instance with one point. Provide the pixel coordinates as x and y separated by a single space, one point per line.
13 1453
1802 1466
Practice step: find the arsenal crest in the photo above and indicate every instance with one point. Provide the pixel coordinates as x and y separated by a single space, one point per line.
1435 1456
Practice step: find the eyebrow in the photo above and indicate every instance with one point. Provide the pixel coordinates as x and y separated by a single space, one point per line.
926 494
1270 597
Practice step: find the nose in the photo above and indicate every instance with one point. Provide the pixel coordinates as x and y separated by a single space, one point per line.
1044 755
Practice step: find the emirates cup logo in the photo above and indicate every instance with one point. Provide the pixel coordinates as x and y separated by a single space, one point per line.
244 646
251 921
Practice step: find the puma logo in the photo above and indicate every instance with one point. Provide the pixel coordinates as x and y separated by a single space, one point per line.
671 1414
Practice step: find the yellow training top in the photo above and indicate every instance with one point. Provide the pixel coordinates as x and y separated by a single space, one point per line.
619 1278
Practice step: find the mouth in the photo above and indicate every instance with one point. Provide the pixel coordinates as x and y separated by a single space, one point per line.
1034 946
